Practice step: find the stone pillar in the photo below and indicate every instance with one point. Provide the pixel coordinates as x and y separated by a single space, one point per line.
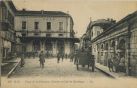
67 46
1 49
116 45
109 49
41 46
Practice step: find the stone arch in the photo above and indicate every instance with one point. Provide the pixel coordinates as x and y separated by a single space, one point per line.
122 47
106 46
122 44
102 46
113 44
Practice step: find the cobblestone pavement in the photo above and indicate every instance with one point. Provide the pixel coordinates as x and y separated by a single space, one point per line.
52 68
62 75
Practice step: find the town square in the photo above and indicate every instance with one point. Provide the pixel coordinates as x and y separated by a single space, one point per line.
66 43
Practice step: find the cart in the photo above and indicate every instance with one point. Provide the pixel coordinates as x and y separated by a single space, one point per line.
85 58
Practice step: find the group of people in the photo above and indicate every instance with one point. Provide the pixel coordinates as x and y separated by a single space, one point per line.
116 63
60 55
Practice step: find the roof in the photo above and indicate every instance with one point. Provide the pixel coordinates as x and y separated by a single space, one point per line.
40 13
102 22
12 5
35 13
112 28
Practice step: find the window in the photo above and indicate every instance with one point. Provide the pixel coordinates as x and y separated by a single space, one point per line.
48 35
0 14
60 35
4 13
60 25
48 25
23 24
98 32
36 24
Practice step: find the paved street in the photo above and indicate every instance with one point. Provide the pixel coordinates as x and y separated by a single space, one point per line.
62 75
54 69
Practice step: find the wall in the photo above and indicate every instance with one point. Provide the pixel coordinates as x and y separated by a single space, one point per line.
43 25
133 46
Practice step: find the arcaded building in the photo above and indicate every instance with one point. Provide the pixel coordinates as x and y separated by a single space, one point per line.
48 31
119 39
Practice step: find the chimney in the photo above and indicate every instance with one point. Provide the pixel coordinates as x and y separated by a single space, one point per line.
23 9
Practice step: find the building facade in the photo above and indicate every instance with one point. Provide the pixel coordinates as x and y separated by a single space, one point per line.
7 32
50 31
93 30
119 39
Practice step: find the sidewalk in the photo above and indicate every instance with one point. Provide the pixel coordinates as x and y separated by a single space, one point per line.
8 67
106 71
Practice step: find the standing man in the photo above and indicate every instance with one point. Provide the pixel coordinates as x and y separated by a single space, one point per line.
116 62
93 64
122 64
42 59
71 57
58 57
22 59
110 64
62 55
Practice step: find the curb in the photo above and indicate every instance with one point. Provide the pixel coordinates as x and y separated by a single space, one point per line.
13 69
105 72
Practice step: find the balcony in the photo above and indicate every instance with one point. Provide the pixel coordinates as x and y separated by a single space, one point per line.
24 32
7 35
36 32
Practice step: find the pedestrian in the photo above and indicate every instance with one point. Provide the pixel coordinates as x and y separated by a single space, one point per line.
62 56
71 57
116 62
22 60
93 63
42 59
75 56
122 64
110 64
66 56
58 57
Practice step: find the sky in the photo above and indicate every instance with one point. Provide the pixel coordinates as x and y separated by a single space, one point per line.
82 11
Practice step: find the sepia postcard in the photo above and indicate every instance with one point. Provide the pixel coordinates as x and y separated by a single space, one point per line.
68 44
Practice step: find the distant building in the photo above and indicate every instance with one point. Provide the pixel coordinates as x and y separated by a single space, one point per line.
93 30
50 31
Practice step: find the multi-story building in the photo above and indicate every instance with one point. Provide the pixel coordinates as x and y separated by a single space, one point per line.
93 30
119 39
7 33
50 31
